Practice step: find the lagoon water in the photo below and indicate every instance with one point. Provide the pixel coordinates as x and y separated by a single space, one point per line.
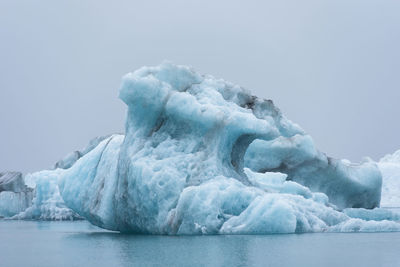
29 243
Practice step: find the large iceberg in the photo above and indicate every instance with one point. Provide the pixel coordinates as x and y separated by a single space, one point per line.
203 156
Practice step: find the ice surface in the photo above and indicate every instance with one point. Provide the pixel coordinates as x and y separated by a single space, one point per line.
203 156
89 186
12 181
346 184
390 169
12 203
72 157
15 196
47 203
377 214
36 196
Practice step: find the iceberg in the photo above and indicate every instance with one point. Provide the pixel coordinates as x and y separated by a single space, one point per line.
15 196
72 157
46 203
201 155
36 196
12 181
390 169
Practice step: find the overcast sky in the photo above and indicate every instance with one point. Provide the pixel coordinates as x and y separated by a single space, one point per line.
331 66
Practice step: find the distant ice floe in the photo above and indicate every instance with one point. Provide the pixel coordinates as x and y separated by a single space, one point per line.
201 155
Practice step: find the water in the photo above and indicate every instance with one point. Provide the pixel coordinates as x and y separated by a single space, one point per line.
24 243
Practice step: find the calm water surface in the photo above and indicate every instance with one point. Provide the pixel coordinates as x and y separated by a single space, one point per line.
44 244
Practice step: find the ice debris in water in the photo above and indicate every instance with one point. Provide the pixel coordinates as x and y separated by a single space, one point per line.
203 156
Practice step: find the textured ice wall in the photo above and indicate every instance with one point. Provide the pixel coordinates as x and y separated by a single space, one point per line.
12 181
390 169
346 184
180 168
72 157
12 203
15 196
47 203
36 196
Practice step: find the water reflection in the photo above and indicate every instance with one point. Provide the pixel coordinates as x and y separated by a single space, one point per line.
81 244
166 250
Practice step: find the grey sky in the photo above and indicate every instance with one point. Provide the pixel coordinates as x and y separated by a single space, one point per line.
331 66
